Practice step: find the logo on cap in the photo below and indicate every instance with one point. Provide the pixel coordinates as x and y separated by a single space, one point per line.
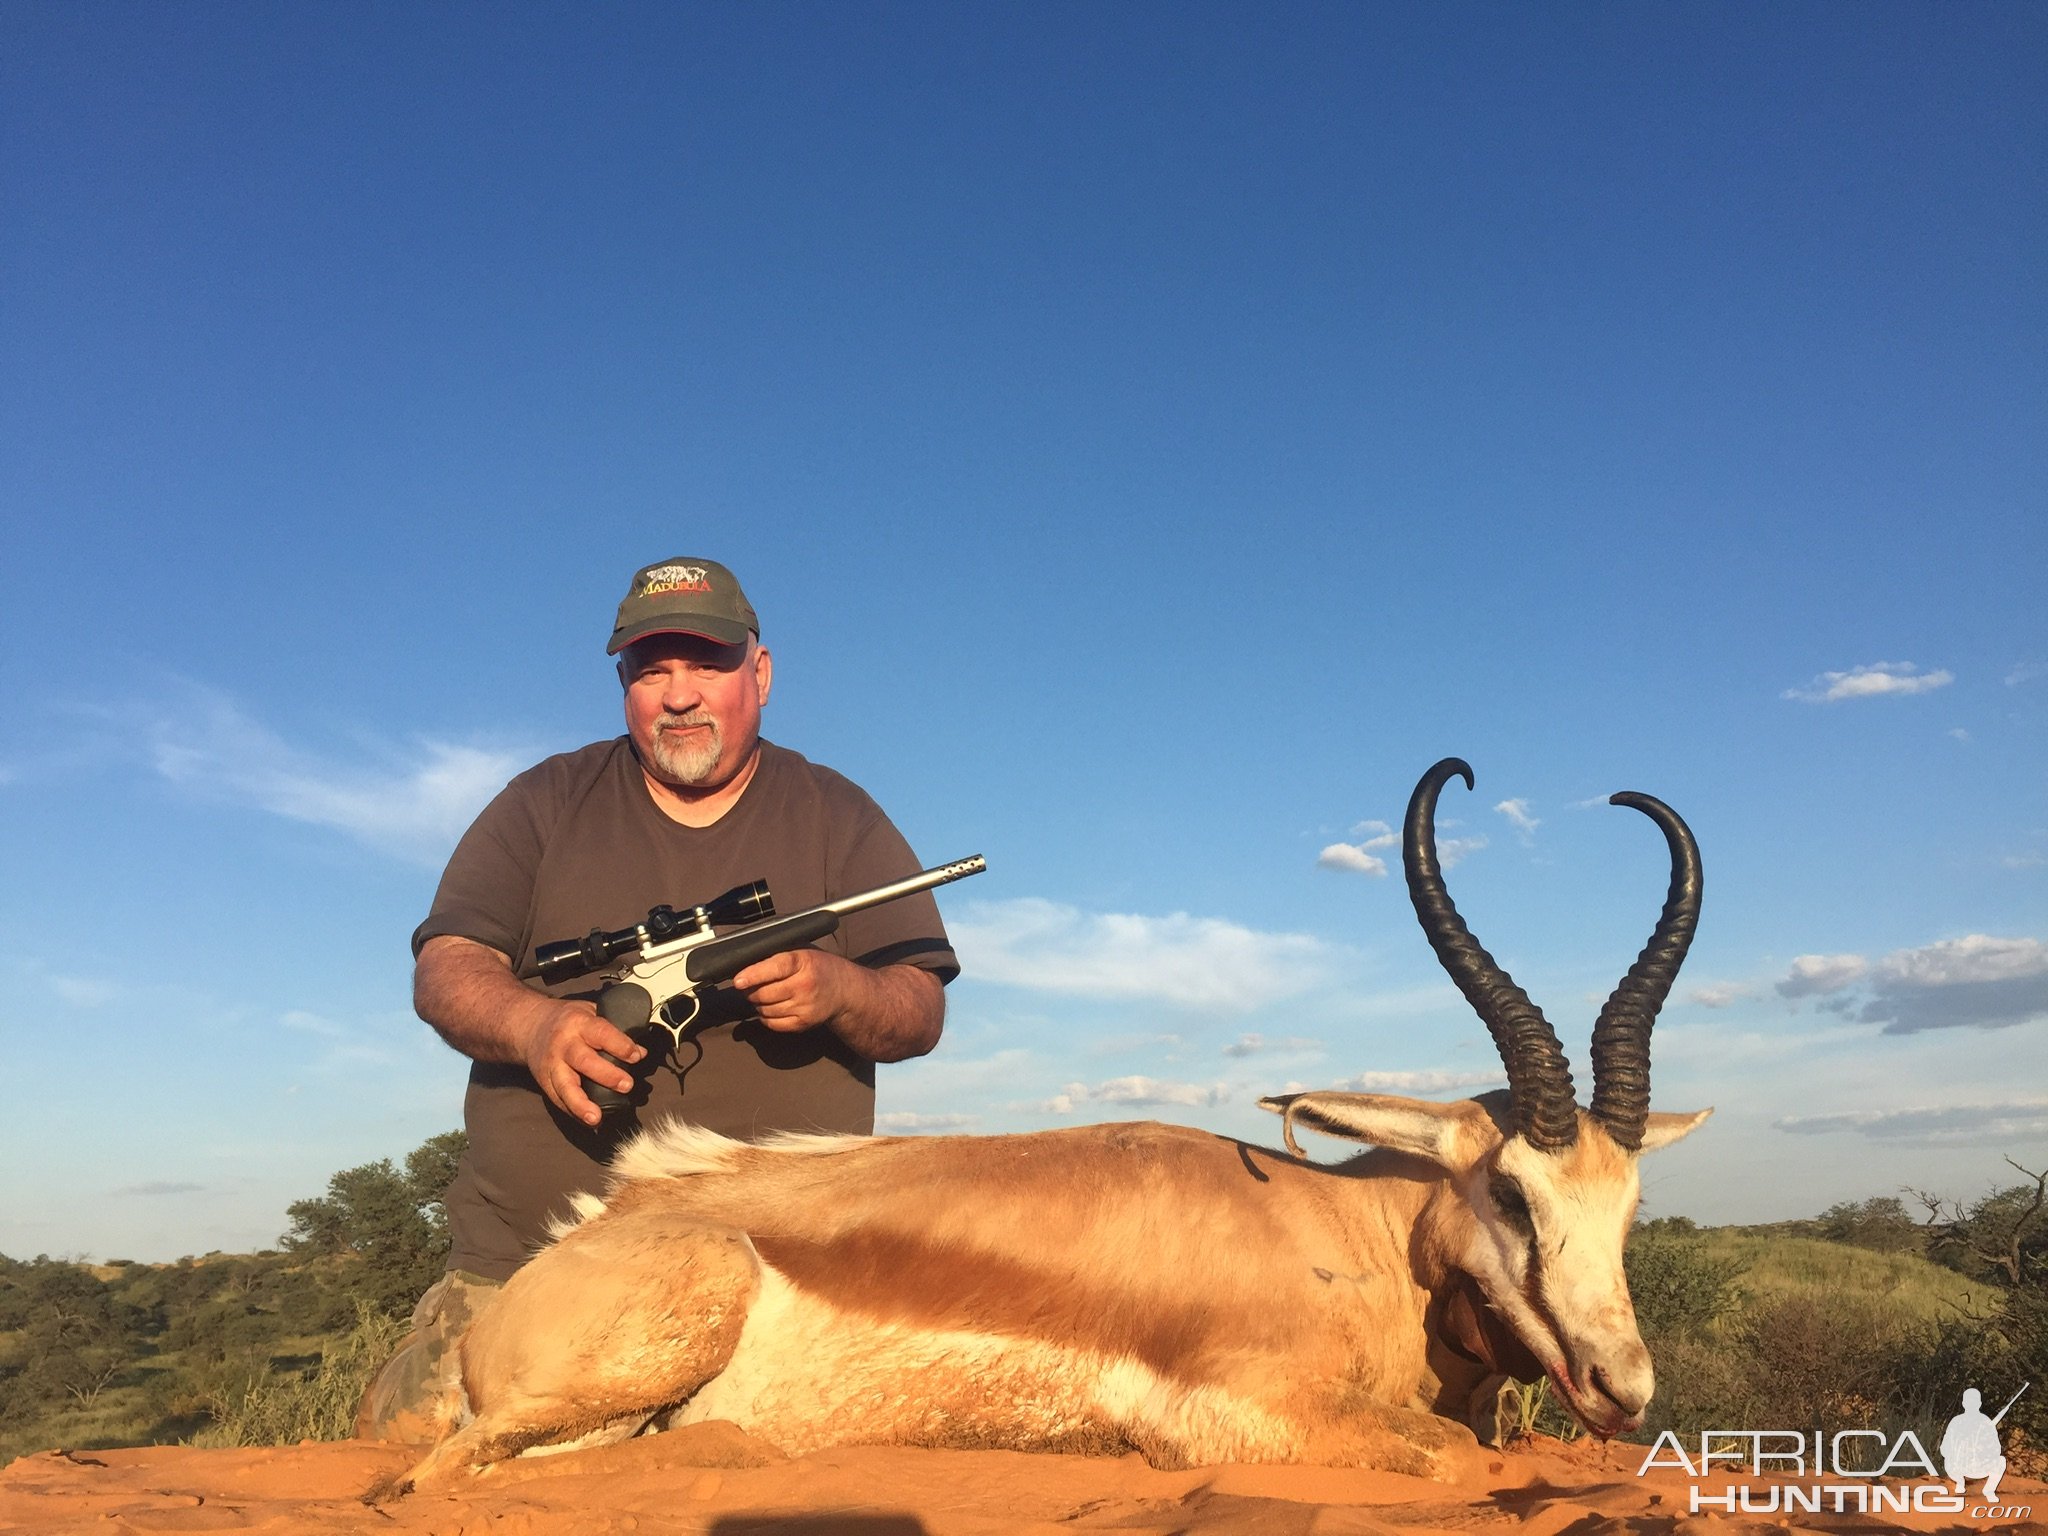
674 578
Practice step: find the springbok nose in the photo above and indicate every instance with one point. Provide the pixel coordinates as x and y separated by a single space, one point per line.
1629 1398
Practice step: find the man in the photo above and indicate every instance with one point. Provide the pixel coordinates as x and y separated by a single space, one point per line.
689 803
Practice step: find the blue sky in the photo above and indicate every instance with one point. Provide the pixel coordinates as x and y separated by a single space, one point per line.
1151 436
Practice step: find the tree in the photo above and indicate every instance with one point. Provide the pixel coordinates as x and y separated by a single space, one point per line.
2003 1236
75 1336
390 1226
1882 1223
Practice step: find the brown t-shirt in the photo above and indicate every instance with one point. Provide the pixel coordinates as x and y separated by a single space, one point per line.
577 843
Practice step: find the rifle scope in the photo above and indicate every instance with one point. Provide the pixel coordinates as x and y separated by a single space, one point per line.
559 961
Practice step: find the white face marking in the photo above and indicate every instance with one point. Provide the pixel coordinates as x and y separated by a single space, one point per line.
1547 1248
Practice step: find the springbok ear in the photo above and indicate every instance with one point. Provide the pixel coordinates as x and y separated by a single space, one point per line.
1453 1136
1661 1130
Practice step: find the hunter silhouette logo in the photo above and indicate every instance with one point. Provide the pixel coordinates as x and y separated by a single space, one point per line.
675 578
1970 1447
1851 1471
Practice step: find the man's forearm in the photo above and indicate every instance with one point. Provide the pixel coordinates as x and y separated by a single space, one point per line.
896 1013
467 991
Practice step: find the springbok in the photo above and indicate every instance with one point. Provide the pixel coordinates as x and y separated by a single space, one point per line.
1117 1287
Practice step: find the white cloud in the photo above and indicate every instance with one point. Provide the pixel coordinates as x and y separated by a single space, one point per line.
1258 1045
413 804
1879 677
1204 963
1974 957
1957 733
945 1084
1451 851
1517 812
86 991
1351 856
1720 994
312 1024
1156 1043
1435 1080
2026 672
158 1189
1814 974
1718 1048
1375 834
1141 1092
1976 981
906 1120
1991 1125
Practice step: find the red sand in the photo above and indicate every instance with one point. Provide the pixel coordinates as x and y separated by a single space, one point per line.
713 1480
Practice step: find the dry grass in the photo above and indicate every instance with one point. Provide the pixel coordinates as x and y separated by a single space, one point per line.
319 1405
1782 1267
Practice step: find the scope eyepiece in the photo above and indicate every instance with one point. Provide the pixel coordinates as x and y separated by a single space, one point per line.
573 957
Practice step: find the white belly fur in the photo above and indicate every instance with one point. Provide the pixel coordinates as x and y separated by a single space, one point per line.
806 1374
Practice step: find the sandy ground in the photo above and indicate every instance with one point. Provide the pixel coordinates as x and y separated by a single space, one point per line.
715 1481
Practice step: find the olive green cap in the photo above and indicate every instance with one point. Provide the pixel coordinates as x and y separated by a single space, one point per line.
684 596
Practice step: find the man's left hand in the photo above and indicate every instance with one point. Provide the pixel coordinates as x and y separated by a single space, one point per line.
886 1014
801 988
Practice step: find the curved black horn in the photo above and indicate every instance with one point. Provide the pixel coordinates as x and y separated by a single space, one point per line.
1621 1035
1538 1078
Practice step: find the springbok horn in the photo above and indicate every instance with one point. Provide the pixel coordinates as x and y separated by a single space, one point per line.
1621 1035
1539 1080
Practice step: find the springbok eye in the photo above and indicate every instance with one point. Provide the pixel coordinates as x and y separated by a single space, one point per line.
1513 1206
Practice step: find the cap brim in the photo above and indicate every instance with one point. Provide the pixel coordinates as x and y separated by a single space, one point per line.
724 631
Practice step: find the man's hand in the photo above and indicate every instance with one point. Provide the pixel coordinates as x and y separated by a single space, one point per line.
560 1050
467 991
799 989
886 1015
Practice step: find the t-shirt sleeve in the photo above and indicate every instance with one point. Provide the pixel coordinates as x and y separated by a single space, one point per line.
907 931
486 892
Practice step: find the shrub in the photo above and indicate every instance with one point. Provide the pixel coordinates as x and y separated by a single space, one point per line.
319 1404
1882 1224
1828 1362
1680 1289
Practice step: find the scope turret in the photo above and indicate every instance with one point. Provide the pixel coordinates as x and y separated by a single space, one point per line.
567 958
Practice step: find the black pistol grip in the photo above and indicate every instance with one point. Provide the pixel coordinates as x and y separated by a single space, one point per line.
628 1005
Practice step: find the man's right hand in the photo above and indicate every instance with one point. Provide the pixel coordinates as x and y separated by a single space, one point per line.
563 1039
467 991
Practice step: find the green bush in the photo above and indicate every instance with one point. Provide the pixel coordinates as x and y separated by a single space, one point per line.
1882 1224
276 1408
1830 1361
1681 1288
256 1347
73 1337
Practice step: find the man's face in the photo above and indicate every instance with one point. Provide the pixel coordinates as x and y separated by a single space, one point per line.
693 706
